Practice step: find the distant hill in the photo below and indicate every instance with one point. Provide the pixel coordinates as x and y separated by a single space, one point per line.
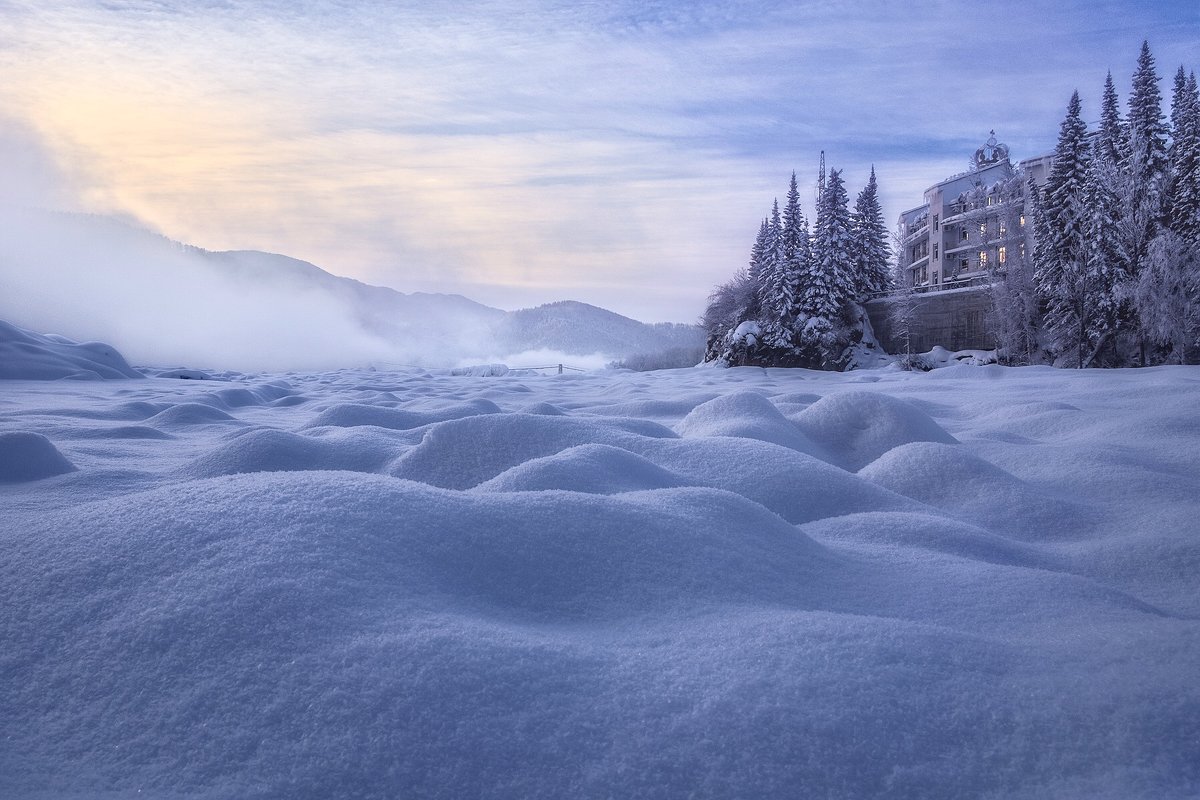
573 327
90 276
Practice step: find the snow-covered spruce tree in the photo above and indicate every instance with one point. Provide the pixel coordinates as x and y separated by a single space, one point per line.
870 238
1014 316
781 290
829 287
1061 261
1146 168
1167 295
1147 162
1107 266
1112 139
1183 204
759 264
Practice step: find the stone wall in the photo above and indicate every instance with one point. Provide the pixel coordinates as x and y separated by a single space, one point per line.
956 319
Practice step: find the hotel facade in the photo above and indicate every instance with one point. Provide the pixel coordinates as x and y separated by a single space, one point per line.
971 224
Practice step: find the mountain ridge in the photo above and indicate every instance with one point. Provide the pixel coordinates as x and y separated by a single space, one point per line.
49 260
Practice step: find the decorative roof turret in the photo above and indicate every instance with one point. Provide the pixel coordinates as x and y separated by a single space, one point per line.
992 152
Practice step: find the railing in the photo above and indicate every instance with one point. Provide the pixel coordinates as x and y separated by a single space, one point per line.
949 283
559 367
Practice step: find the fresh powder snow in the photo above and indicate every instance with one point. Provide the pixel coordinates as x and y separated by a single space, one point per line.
974 582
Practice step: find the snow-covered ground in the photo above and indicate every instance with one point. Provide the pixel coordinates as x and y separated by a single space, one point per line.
976 582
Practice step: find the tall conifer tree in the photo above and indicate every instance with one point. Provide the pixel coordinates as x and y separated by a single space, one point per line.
1183 211
1063 276
870 240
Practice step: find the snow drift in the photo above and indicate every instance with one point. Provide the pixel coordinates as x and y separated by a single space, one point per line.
733 583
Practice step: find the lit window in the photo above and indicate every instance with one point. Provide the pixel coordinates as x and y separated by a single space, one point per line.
1022 220
1003 228
983 258
983 229
1001 255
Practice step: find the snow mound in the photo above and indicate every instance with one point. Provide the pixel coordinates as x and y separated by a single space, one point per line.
746 415
794 485
547 409
25 355
262 395
462 453
116 432
855 428
591 468
349 415
189 414
573 600
182 374
953 479
939 534
267 450
1017 575
26 456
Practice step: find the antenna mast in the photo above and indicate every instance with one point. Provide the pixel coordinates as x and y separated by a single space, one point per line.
821 179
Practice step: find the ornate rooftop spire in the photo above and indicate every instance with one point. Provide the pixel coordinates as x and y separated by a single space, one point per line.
992 152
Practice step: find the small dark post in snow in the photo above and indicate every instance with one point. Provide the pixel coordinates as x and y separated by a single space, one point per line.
560 369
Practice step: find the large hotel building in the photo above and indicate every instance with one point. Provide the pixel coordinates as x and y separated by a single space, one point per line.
970 224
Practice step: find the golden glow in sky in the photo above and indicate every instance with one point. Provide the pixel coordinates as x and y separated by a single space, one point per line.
528 152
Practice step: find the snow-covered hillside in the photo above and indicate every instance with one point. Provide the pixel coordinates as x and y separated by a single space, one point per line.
160 301
976 582
573 327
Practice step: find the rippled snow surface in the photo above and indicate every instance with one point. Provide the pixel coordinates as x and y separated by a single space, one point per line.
978 582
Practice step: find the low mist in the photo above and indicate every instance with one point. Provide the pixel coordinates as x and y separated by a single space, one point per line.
91 278
161 303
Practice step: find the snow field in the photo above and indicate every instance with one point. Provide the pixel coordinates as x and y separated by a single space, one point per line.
976 582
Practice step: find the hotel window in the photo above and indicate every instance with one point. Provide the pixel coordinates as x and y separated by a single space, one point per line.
964 234
1001 255
935 220
1022 220
1003 228
935 251
983 229
982 258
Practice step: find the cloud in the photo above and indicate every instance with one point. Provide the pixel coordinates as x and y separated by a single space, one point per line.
619 153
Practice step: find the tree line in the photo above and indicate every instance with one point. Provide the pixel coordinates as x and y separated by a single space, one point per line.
1102 267
798 301
1113 274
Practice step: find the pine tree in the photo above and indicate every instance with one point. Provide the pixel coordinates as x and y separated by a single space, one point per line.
1147 164
830 284
1106 260
1062 269
782 293
870 242
1112 139
1183 205
756 273
1168 294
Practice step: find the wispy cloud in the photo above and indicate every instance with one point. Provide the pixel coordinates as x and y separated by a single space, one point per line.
620 153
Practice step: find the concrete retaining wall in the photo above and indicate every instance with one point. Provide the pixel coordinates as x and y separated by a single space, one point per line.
955 319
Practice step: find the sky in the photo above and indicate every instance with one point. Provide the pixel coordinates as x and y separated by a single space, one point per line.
620 154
